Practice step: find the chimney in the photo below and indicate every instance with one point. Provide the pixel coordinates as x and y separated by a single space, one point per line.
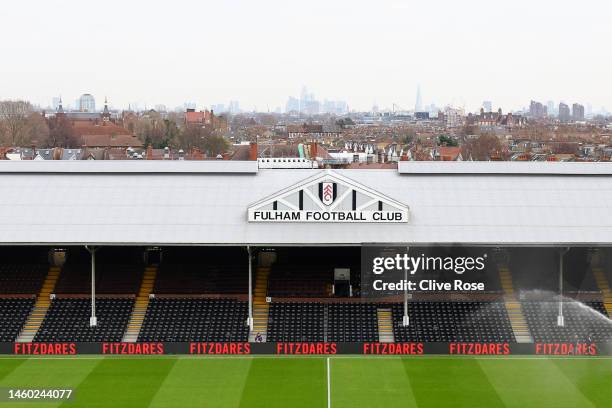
149 152
253 151
313 151
196 154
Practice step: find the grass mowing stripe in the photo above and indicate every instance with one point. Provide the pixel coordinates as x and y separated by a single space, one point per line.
122 383
592 377
535 383
211 383
450 383
46 374
370 383
286 383
8 366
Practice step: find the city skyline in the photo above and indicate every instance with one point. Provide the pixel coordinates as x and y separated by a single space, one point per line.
348 51
307 103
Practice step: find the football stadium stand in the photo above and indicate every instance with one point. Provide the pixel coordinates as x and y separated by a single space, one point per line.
296 322
583 322
22 278
182 271
453 322
13 315
68 320
195 319
219 252
352 322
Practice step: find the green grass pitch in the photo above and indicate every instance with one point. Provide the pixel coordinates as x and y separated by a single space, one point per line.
272 381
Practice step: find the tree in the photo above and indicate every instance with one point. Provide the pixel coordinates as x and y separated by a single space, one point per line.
14 122
444 140
483 147
37 129
61 133
152 130
407 136
202 138
215 144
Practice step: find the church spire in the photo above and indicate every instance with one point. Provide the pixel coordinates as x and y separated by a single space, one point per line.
106 113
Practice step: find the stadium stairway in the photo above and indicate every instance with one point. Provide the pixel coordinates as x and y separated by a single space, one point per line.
261 308
385 326
604 286
39 311
141 305
514 308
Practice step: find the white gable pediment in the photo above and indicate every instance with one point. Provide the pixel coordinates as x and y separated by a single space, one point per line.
328 197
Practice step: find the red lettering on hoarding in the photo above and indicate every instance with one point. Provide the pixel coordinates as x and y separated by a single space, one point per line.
306 348
393 348
133 348
564 349
479 349
45 348
220 348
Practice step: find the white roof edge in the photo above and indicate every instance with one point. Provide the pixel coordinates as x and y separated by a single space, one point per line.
535 168
129 166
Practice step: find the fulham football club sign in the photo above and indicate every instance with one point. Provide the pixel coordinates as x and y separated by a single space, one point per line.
328 197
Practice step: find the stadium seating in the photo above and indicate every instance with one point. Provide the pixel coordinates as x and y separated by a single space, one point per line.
299 281
13 314
352 322
68 320
537 269
309 272
201 279
583 322
190 319
203 270
110 278
296 322
22 278
453 321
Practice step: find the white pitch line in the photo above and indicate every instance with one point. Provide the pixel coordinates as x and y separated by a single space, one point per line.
328 385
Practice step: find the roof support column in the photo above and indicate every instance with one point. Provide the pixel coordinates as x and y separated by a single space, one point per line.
560 318
249 321
93 320
406 318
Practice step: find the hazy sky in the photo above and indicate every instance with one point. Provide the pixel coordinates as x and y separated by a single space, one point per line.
260 52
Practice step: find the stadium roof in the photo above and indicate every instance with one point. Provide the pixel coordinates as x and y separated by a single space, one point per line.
205 203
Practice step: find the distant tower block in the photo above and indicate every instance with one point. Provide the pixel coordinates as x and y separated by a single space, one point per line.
418 106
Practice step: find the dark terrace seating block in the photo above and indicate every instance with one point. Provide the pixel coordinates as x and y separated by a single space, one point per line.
296 322
13 315
583 322
453 322
67 320
184 319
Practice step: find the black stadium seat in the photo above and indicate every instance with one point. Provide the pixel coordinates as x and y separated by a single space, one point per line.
583 322
296 322
352 322
68 320
13 314
22 278
453 322
191 319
